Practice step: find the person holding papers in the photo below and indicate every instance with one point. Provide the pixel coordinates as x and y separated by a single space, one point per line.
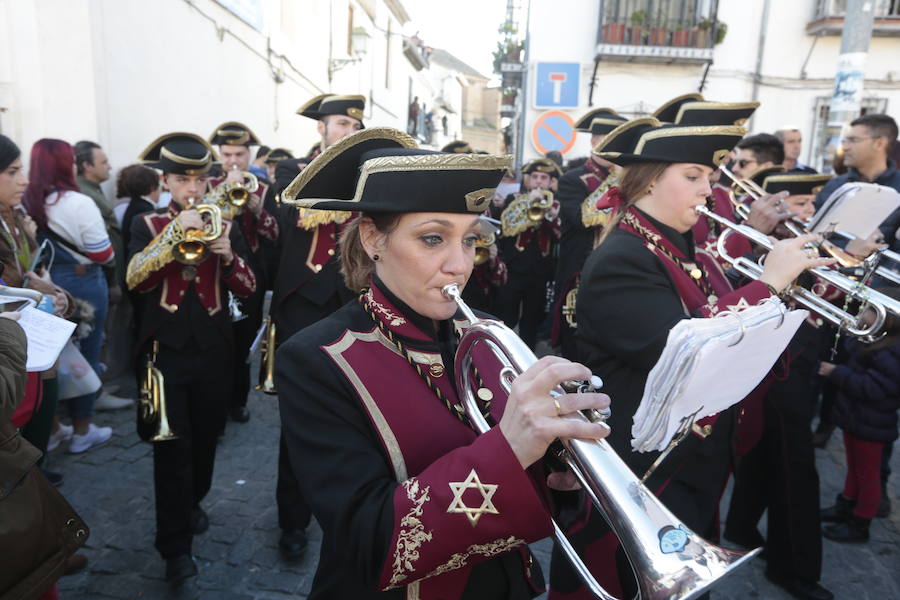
641 280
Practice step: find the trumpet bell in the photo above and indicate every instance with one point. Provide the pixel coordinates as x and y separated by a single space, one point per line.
190 252
482 255
238 196
669 560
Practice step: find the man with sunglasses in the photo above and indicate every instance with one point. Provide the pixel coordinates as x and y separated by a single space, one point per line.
756 152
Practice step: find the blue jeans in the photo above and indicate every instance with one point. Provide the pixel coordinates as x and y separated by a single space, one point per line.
90 287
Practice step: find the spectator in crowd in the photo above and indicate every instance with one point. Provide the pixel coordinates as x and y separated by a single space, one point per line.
139 187
74 226
792 144
756 152
866 409
93 169
413 126
258 166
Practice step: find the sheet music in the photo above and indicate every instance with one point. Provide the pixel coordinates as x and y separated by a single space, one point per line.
857 208
709 365
47 334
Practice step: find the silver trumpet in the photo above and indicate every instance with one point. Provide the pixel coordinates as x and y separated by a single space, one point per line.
25 293
852 324
669 560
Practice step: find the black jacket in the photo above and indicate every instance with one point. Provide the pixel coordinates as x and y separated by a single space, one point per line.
869 393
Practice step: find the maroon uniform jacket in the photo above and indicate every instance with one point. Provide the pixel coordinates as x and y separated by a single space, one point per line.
412 503
182 301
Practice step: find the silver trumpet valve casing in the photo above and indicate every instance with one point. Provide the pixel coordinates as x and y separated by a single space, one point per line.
668 559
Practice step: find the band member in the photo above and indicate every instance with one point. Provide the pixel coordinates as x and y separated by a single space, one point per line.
636 285
458 147
255 224
779 473
185 316
411 502
308 286
488 275
275 156
576 235
530 233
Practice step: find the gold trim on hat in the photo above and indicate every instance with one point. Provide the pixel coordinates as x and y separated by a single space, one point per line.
714 106
678 131
289 195
676 100
356 113
652 121
429 162
602 121
583 120
306 105
162 139
797 178
549 166
335 97
183 160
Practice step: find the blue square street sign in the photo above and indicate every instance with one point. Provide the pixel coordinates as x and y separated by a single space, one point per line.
557 84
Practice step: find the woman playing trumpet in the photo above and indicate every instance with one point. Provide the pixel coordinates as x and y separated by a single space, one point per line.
411 502
641 280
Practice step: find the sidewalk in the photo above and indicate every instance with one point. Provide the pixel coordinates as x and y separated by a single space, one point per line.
112 489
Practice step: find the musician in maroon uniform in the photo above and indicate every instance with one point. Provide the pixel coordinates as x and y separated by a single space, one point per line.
641 280
256 224
307 286
411 502
185 313
577 236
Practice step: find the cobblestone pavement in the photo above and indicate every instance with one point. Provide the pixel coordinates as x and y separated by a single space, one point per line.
112 488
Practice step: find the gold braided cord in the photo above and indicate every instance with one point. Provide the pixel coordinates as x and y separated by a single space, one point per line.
156 255
309 219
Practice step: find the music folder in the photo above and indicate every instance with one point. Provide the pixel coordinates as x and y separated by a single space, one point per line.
709 365
857 208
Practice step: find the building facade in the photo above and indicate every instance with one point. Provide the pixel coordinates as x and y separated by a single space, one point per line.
633 55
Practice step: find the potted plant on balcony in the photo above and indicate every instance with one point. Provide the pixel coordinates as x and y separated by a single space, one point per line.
636 31
659 36
681 36
613 33
704 30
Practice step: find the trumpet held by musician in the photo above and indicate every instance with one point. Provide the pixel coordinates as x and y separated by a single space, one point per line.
409 497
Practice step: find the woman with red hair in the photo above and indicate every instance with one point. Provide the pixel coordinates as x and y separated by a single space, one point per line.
75 228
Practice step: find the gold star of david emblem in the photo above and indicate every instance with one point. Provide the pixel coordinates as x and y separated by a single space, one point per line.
472 482
741 305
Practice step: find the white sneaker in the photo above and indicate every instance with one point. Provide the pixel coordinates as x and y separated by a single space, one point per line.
94 436
63 434
107 401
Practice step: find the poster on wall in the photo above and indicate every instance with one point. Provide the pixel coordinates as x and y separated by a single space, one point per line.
248 11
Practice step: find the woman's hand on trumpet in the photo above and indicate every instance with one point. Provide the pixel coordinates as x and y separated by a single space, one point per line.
531 420
788 258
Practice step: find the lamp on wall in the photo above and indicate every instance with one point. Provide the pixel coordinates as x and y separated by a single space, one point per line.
359 47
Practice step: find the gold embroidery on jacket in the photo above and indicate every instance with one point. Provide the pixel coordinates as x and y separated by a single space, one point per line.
487 550
310 219
393 319
486 490
414 534
156 255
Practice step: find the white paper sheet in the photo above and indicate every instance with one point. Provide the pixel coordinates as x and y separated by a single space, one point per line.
47 334
709 365
857 208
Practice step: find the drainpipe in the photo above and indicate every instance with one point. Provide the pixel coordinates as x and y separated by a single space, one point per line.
760 50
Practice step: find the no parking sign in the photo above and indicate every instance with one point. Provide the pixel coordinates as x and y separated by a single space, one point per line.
553 130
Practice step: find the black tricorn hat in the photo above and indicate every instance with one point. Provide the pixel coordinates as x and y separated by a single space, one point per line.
277 155
179 153
759 175
544 165
380 170
668 111
334 104
599 121
233 133
458 147
715 113
646 140
795 184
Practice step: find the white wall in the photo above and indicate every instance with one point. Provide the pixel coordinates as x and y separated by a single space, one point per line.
122 72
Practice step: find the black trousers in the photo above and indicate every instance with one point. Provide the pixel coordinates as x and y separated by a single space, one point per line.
244 333
780 475
293 314
196 402
522 301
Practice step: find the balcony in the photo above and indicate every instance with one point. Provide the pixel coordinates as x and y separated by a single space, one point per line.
828 18
659 31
